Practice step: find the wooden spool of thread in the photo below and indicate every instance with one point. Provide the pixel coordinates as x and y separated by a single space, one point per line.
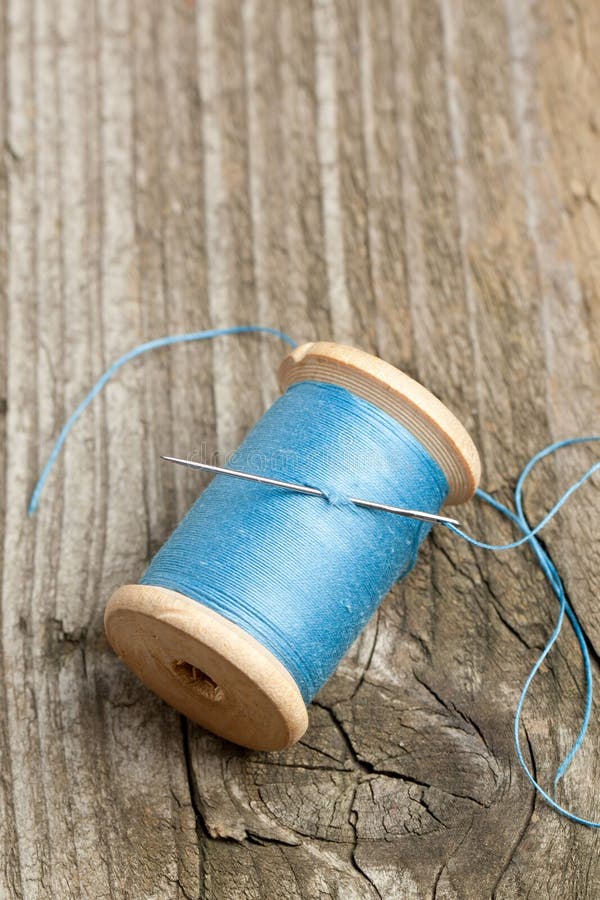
208 667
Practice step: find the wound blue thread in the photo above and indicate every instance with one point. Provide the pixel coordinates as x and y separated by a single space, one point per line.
336 500
305 578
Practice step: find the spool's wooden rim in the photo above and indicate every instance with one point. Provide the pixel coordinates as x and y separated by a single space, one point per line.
399 396
206 667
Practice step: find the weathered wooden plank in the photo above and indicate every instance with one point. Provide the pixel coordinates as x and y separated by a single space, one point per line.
8 848
418 178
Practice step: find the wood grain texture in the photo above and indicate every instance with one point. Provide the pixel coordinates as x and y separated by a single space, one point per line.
418 178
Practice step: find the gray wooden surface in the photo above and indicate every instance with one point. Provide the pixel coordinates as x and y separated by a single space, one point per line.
418 177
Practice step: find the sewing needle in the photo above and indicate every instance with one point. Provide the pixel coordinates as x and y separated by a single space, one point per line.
432 518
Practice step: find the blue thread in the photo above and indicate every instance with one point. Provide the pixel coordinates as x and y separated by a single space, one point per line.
338 499
118 364
304 578
555 581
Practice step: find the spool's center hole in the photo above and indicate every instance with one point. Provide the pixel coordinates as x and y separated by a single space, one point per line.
197 680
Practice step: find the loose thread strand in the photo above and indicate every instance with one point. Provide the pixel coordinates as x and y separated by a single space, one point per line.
112 370
555 581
